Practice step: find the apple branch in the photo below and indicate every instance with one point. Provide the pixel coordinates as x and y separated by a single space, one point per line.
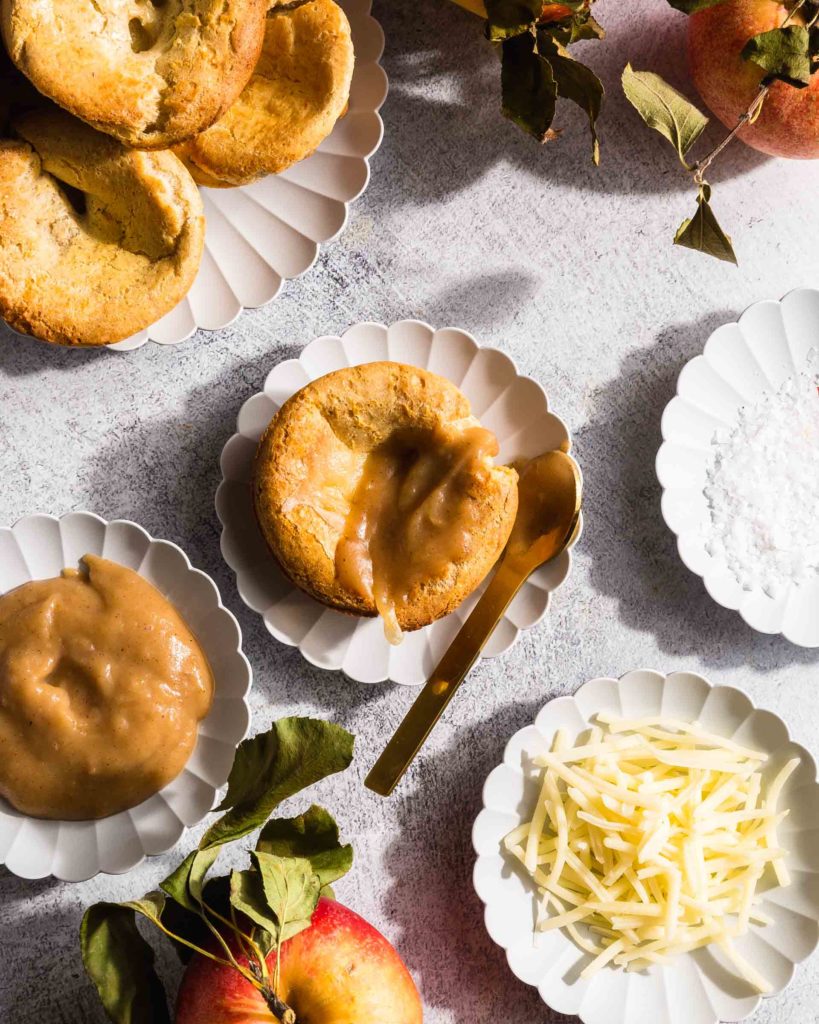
750 115
281 1011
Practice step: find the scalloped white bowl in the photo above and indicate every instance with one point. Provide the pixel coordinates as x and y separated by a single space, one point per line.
741 361
698 987
40 547
513 406
261 235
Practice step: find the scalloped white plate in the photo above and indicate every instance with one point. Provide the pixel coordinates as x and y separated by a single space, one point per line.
696 988
40 547
264 234
741 361
513 406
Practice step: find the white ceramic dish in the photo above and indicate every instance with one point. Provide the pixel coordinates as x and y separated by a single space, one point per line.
39 547
741 360
269 232
513 406
697 988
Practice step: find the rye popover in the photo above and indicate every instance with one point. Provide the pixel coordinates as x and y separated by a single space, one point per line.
96 241
376 490
297 92
148 73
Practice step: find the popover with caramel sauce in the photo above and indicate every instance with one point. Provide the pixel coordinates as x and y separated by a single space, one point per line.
376 490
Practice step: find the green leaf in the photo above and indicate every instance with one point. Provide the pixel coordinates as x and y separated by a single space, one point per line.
586 28
692 6
507 18
528 87
577 83
664 109
247 895
703 233
785 53
572 30
291 890
120 962
273 766
312 836
186 883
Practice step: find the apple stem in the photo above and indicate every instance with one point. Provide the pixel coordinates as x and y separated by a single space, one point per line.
701 166
280 1010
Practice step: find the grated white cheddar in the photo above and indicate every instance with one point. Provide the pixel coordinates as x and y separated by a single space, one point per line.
650 839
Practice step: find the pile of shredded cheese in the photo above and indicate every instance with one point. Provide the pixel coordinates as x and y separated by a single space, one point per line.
652 836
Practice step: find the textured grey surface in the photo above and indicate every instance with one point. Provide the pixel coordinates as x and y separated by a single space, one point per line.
567 268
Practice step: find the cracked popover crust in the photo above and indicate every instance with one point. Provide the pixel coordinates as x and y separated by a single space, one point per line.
376 490
96 241
298 90
148 72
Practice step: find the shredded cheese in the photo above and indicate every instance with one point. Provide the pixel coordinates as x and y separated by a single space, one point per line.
650 839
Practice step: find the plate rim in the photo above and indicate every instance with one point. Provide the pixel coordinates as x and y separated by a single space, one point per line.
626 678
680 535
221 609
413 322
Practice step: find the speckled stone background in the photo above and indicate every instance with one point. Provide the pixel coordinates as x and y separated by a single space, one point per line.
570 270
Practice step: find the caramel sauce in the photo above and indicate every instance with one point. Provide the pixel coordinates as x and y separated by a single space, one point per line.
410 517
102 687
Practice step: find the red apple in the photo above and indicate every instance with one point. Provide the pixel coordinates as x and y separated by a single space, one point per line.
340 970
789 122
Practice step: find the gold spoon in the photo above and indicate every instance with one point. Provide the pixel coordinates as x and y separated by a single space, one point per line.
549 495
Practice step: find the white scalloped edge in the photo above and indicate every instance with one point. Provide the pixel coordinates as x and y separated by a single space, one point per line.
697 988
514 406
261 235
39 547
758 352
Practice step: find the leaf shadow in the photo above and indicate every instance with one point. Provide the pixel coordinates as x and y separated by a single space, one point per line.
444 130
633 553
438 917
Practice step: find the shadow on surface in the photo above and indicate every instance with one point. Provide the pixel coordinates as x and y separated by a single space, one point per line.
21 356
444 125
170 488
439 917
634 554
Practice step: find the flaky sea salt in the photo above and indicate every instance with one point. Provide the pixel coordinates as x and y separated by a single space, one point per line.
762 488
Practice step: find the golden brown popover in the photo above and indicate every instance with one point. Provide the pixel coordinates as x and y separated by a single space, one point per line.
297 92
376 490
96 241
148 73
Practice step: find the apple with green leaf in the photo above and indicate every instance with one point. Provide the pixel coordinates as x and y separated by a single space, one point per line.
340 970
267 943
718 37
756 64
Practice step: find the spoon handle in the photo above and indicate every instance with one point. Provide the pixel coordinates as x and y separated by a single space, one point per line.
452 669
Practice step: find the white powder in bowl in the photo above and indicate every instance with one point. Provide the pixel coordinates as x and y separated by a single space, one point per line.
762 488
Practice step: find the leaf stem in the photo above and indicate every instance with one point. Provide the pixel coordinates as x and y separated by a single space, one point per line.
799 5
701 166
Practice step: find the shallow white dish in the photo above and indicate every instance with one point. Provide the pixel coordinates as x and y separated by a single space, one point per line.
513 406
40 547
696 988
768 344
264 234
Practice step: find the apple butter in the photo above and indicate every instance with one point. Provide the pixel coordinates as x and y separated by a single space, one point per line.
102 687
